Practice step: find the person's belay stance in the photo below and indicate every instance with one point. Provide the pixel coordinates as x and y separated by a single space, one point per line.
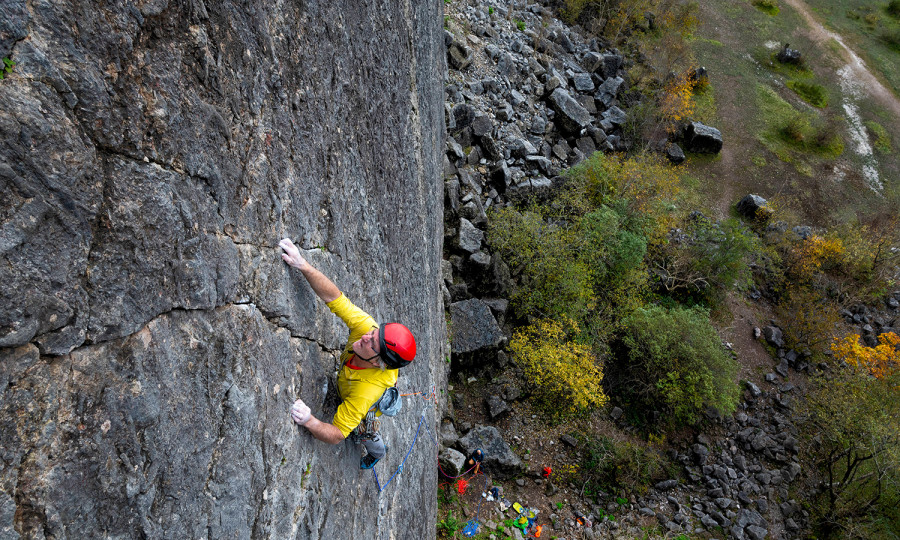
369 365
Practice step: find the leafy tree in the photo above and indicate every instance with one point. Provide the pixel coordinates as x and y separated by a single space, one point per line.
852 444
674 362
566 377
704 258
545 256
880 361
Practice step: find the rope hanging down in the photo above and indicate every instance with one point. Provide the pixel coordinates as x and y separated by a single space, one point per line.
433 398
408 452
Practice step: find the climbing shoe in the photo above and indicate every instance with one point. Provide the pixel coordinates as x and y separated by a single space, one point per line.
367 461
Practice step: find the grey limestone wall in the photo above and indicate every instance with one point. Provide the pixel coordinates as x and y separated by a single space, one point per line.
152 154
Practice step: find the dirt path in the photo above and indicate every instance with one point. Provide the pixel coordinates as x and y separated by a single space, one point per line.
820 35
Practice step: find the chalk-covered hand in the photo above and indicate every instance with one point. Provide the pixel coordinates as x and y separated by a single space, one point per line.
292 255
300 413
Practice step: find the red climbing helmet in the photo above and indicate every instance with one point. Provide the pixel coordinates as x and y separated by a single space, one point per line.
398 346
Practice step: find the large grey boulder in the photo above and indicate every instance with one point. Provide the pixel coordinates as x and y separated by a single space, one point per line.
151 339
608 91
610 65
470 237
571 115
499 459
459 56
751 205
774 336
532 189
702 139
474 328
452 462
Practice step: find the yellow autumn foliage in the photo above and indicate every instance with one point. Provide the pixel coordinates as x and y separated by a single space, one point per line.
565 374
815 254
643 183
881 361
677 99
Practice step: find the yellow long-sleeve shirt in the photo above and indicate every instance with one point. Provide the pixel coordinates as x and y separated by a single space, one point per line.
359 388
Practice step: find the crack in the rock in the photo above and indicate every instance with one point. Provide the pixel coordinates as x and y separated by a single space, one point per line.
270 319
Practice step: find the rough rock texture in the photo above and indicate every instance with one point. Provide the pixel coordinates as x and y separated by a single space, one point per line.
151 339
702 139
475 330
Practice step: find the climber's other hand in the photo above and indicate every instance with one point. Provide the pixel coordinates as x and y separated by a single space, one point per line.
300 413
292 255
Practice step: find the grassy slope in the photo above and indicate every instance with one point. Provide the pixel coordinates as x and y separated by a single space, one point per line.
735 42
863 24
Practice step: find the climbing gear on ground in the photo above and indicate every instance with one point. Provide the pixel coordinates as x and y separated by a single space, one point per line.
471 528
390 402
300 412
397 345
461 486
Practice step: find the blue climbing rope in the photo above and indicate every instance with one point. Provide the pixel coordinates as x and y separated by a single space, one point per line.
471 528
408 452
411 446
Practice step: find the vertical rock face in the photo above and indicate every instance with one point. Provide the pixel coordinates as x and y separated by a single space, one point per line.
151 340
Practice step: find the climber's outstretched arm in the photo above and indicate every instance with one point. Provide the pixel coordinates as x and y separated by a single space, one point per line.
323 431
321 285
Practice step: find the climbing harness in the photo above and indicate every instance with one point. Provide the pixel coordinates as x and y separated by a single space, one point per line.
389 404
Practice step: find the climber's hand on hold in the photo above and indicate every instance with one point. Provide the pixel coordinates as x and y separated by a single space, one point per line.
292 255
300 413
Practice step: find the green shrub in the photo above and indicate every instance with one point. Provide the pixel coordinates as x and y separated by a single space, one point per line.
6 67
796 129
449 525
705 259
893 8
769 7
609 465
578 268
881 139
806 133
641 188
675 363
566 377
812 93
891 37
554 277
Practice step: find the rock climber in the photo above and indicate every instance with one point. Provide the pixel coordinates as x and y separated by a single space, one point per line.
369 365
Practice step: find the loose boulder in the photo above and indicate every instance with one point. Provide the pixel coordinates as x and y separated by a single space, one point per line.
571 115
751 206
459 56
789 56
675 154
702 139
499 458
452 462
475 332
